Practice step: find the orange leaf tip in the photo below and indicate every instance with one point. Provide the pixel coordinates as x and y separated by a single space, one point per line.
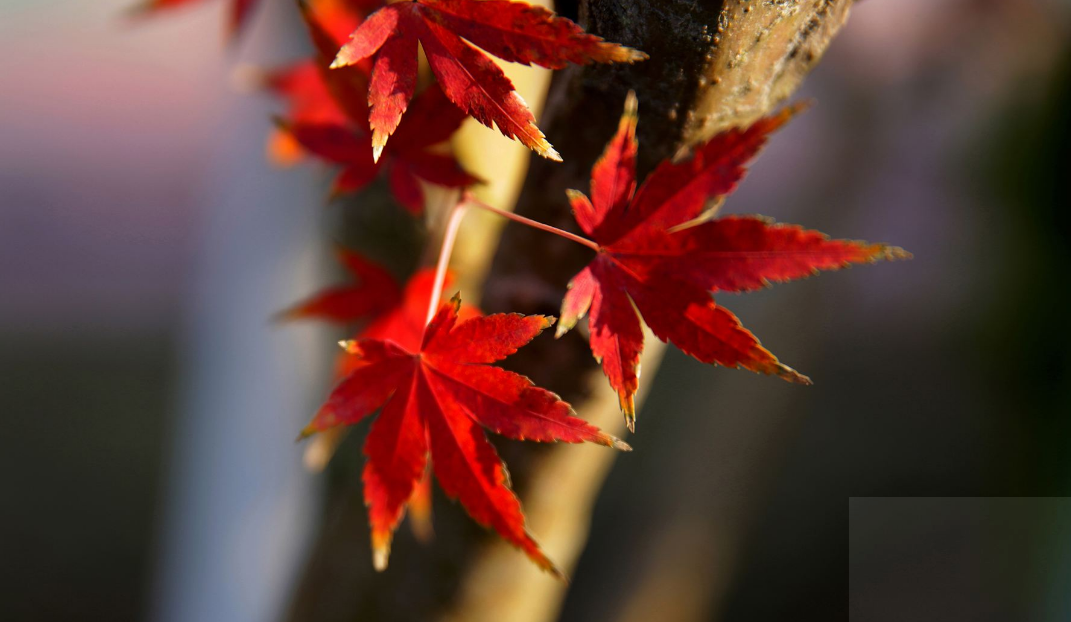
286 315
549 153
632 104
380 555
305 433
628 407
316 457
377 150
893 253
787 373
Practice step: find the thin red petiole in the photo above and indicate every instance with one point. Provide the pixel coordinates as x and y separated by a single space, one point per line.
450 236
456 214
470 200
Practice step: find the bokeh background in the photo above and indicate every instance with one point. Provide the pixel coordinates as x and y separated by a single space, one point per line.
149 406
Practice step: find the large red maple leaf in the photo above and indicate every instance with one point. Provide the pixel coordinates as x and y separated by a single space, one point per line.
435 399
661 253
513 31
391 314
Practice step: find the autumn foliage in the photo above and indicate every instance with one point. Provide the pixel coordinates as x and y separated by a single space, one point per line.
512 31
660 249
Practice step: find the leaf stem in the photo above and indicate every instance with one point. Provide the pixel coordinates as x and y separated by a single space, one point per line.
456 214
474 202
450 236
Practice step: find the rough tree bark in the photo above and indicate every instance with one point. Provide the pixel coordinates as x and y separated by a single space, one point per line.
713 65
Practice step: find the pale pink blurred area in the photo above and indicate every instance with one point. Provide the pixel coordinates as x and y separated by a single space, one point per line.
107 125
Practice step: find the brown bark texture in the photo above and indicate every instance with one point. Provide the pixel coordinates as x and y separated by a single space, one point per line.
713 65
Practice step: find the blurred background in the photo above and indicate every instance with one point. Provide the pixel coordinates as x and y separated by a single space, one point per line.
149 406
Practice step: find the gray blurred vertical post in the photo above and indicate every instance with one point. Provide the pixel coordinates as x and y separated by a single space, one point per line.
235 523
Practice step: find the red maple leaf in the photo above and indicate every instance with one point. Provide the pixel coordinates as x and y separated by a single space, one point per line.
392 315
403 324
513 31
308 101
374 293
661 253
435 399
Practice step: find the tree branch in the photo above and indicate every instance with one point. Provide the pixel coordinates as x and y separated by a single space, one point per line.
711 68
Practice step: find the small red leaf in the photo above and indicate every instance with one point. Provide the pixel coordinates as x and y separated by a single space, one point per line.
374 293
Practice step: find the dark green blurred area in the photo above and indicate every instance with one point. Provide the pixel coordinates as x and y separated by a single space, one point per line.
82 469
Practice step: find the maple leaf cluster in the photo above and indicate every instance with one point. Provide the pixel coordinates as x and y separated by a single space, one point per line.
513 31
328 116
661 252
